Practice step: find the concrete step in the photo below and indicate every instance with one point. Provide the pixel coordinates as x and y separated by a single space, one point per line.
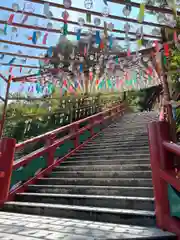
126 125
93 190
120 216
121 133
109 159
101 174
122 143
81 161
130 182
124 167
124 133
115 145
113 150
122 202
122 138
129 155
129 126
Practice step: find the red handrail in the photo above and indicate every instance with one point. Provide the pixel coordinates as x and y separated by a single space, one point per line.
61 129
50 146
162 153
172 147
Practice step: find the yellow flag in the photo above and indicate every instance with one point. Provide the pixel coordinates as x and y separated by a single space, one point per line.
139 42
141 13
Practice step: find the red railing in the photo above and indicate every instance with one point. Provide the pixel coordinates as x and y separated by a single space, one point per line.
163 155
51 143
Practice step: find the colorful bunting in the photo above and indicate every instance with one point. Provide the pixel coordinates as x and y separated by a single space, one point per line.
2 56
25 18
166 49
10 20
110 41
175 36
50 52
65 29
5 29
156 46
98 39
34 38
78 34
12 61
141 13
88 17
45 38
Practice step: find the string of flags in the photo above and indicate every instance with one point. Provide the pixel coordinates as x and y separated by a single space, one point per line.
104 40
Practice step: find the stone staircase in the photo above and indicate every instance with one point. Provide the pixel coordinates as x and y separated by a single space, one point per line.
109 180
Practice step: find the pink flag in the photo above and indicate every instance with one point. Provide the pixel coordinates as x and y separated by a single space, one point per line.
128 53
10 20
45 38
175 36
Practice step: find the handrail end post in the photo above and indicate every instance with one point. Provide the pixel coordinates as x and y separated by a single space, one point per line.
157 132
7 149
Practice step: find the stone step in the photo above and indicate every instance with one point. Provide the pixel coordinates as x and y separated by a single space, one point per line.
101 174
112 150
133 143
124 133
107 159
130 182
128 125
122 202
120 216
81 161
124 167
129 155
93 190
115 147
122 138
124 125
122 156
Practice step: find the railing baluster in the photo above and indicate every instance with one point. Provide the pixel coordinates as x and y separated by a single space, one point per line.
49 141
76 139
92 120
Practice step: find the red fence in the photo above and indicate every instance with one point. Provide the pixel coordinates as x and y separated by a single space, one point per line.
16 176
164 157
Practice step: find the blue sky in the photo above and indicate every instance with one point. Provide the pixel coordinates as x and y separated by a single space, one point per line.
22 33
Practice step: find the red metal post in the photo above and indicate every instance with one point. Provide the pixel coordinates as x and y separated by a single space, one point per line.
159 132
49 142
92 120
76 140
7 149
